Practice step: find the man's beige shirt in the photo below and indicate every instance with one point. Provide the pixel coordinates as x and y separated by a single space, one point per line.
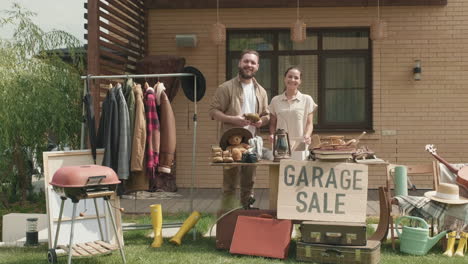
229 98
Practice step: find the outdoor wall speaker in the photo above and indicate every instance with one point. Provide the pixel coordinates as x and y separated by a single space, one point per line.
186 41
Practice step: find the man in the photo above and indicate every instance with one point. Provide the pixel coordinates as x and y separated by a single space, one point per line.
232 99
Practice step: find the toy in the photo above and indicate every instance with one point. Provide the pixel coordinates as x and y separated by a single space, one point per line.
236 147
235 140
252 117
216 154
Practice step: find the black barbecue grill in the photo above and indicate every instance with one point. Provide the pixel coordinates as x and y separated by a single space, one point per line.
84 182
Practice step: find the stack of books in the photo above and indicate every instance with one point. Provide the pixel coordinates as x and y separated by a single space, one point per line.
334 154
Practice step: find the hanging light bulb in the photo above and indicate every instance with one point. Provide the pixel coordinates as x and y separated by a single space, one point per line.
218 30
378 29
298 28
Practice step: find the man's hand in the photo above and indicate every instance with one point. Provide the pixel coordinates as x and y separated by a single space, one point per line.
258 124
239 121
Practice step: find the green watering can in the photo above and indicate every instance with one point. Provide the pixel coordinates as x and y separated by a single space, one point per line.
416 240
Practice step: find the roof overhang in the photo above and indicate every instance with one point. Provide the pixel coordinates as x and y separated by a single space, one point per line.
190 4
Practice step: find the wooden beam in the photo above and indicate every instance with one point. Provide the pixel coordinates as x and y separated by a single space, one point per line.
117 41
129 19
122 34
120 24
190 4
93 53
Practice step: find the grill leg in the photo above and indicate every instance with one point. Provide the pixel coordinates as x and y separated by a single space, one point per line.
98 218
115 229
59 222
71 232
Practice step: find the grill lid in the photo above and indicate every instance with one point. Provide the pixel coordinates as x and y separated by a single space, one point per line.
85 175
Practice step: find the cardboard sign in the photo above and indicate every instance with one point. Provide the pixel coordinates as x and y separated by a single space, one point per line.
322 191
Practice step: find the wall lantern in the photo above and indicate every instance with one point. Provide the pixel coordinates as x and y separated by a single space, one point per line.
378 30
186 40
298 28
417 70
218 30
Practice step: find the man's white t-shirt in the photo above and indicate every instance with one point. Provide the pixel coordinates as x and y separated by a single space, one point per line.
249 103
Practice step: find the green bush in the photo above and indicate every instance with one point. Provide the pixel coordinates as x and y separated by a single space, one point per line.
40 100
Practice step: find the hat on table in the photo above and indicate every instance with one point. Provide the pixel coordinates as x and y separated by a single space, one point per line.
446 193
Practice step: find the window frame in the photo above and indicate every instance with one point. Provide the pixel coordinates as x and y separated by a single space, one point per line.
322 125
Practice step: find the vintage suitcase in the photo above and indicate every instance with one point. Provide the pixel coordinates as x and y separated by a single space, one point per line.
330 254
225 226
334 233
264 237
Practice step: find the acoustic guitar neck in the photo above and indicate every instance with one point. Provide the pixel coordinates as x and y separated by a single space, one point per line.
431 149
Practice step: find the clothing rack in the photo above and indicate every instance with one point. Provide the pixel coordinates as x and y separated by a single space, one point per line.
126 76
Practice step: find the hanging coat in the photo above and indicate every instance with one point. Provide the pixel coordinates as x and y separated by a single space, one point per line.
168 131
90 120
108 134
123 170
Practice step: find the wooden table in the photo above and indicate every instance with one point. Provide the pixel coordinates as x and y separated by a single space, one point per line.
273 176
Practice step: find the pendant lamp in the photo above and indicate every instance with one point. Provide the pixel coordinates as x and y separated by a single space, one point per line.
218 30
298 28
378 27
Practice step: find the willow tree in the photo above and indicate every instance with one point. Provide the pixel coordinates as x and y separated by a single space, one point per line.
40 99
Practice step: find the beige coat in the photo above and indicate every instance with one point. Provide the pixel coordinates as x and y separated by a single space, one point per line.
139 132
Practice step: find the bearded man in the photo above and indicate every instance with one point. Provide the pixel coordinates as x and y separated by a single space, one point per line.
232 99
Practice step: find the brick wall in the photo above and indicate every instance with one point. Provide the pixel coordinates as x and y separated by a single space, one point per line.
432 110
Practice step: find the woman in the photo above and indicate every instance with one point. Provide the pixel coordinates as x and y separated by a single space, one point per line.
292 110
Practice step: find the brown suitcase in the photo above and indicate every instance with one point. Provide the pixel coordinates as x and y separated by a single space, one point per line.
329 254
334 233
226 225
264 237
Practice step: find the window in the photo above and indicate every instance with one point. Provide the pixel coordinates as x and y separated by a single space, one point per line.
336 70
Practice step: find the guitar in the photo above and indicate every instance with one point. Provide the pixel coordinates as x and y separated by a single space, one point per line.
462 174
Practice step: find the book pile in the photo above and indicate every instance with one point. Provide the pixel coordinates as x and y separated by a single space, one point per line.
333 147
333 154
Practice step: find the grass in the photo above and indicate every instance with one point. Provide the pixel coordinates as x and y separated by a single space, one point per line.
138 250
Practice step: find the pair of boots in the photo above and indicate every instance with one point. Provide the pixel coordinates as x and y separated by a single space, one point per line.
156 221
462 244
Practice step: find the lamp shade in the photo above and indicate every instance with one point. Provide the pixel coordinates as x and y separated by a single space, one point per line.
218 33
298 31
378 29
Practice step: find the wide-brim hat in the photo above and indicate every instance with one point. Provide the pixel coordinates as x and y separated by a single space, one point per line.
188 83
236 131
446 193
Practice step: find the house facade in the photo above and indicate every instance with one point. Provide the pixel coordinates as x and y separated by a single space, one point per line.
359 84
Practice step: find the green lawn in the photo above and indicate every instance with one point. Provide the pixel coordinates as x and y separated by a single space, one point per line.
202 250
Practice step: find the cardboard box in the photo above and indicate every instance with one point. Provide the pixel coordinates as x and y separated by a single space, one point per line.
322 191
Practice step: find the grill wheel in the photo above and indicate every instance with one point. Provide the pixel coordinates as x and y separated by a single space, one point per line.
52 256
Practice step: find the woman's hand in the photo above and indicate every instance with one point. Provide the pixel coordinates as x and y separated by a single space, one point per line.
307 140
271 138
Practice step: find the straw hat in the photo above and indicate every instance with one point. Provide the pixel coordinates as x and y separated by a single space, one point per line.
447 193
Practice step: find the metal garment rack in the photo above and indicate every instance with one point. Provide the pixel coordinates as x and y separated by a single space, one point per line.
126 76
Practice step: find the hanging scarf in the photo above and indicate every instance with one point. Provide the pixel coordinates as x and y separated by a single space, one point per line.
152 132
